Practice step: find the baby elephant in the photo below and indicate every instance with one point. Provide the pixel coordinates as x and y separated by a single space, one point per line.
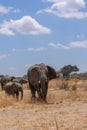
13 88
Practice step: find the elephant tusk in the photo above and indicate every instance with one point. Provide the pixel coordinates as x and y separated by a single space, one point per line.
39 81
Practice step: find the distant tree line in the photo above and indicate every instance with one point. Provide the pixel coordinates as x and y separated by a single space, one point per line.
66 72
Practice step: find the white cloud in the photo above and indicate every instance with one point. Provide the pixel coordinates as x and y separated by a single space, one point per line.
36 49
26 25
3 56
6 31
66 8
58 46
78 44
75 44
6 10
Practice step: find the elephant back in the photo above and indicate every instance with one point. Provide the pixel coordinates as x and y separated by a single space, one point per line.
33 76
34 73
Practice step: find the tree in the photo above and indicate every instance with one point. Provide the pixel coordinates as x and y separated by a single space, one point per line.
67 69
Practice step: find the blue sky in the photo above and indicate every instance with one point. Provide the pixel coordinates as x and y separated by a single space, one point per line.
50 31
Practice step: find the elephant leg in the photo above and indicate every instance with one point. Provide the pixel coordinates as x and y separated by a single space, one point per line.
45 94
39 93
33 92
17 95
21 94
2 86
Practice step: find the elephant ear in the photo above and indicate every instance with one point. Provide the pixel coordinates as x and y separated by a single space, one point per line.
51 72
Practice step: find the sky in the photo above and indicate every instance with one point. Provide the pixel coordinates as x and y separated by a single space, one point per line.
53 32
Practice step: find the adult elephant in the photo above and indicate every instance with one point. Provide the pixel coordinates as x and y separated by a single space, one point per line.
13 88
38 78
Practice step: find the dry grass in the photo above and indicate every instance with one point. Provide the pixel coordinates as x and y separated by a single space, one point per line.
65 110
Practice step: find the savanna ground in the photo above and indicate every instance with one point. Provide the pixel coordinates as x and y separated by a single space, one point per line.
65 110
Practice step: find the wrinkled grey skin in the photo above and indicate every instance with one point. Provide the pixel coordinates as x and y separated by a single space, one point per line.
38 78
13 89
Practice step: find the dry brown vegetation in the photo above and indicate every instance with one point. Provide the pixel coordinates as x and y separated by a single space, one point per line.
66 108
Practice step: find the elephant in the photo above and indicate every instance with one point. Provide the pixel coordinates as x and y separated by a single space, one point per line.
5 79
12 88
38 78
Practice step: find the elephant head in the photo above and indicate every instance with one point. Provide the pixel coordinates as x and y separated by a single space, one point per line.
38 78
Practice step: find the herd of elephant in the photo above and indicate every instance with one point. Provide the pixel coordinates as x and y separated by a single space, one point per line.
38 77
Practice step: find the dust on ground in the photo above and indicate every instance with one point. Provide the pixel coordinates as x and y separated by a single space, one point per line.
65 110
